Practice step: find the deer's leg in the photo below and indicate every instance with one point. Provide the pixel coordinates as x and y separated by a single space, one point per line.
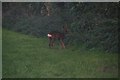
50 42
62 44
53 42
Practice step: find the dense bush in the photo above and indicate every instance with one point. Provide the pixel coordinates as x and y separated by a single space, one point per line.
95 25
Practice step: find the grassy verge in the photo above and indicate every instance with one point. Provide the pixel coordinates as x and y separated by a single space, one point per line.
30 57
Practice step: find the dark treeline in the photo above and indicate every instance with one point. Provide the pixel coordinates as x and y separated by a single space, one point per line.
94 25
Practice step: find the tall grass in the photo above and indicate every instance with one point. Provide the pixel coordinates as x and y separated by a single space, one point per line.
30 57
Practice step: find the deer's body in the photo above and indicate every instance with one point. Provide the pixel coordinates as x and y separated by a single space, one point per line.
56 35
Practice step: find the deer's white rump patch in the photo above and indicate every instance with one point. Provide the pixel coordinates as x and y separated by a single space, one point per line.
49 35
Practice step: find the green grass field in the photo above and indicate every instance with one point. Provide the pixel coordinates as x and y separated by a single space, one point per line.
30 57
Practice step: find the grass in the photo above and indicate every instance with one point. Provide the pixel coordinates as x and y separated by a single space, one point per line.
30 57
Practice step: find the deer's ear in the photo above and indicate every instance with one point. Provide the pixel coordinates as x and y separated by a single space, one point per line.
65 29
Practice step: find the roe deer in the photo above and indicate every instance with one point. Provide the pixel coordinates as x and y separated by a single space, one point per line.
53 35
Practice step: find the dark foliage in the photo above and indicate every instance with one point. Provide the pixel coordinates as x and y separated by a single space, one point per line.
93 24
